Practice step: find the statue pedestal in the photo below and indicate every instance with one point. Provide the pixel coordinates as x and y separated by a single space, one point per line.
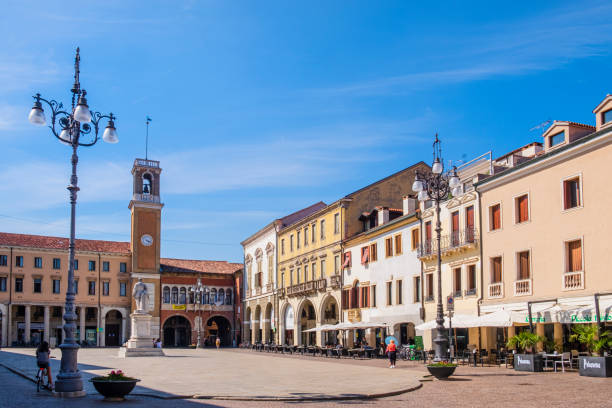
140 343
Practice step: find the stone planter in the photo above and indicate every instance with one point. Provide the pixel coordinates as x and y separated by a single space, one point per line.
114 390
595 366
528 362
441 372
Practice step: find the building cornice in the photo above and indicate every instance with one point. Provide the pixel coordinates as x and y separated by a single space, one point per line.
579 147
260 233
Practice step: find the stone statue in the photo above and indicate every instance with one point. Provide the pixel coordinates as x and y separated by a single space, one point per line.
141 296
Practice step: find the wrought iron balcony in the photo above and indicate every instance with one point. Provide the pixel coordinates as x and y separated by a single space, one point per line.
469 292
457 240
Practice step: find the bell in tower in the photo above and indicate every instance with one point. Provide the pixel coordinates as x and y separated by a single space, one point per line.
146 180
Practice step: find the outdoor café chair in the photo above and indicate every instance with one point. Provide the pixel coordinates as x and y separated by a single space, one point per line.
565 358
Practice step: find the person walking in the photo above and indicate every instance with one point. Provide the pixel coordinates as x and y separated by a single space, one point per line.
392 353
218 343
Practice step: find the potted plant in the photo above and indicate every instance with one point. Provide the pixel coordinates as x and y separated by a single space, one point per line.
442 369
525 342
594 365
114 386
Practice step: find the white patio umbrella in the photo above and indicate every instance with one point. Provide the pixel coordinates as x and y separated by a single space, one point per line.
458 321
500 318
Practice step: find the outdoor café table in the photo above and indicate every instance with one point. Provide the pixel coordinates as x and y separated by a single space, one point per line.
368 352
355 352
300 349
551 357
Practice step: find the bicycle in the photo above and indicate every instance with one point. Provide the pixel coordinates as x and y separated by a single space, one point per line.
42 379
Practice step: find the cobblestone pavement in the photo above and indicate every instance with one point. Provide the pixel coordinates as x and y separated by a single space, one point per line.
470 387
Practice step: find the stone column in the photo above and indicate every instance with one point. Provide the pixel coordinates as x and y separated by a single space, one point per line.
9 322
26 336
47 325
123 337
102 334
540 332
558 334
5 332
82 324
319 337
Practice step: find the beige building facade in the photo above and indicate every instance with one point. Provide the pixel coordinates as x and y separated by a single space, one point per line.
545 235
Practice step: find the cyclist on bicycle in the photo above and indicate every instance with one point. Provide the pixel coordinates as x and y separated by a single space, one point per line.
42 360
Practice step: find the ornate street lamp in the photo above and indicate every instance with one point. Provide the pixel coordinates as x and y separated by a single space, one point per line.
198 290
437 186
75 127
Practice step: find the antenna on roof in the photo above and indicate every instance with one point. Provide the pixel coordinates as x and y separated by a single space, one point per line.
542 125
149 120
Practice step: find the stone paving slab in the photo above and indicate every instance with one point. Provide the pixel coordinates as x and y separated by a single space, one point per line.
227 374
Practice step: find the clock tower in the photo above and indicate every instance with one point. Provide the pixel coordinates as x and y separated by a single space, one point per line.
145 207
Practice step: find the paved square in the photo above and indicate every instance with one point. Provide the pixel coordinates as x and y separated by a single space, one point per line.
231 373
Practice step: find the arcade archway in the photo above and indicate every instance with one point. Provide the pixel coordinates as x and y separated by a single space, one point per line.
177 332
219 327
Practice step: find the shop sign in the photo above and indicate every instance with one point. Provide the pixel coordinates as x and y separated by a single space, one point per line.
179 307
535 319
588 318
595 366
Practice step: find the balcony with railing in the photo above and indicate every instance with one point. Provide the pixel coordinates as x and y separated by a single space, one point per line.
573 280
522 287
306 287
149 198
269 287
454 242
496 290
457 293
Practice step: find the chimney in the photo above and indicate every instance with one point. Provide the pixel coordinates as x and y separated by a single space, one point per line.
383 215
409 205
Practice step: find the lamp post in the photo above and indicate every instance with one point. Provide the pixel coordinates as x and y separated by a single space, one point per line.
437 186
75 127
198 291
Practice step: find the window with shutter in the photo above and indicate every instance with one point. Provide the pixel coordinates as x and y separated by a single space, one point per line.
415 238
496 270
522 209
523 265
495 217
373 252
574 256
389 247
571 193
398 245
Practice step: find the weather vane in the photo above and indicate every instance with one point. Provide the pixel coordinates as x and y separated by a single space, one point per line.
149 120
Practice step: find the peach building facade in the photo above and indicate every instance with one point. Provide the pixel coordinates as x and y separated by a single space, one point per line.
545 234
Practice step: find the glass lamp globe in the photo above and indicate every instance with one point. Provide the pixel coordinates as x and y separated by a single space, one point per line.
423 196
110 133
454 181
37 115
417 186
457 191
437 167
66 137
81 112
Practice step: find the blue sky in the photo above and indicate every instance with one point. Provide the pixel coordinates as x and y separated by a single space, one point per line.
262 108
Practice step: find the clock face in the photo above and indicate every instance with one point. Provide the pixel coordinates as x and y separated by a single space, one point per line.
146 240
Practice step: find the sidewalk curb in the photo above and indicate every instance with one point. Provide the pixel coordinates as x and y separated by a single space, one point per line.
247 398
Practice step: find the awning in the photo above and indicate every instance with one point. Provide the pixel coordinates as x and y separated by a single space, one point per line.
458 321
501 318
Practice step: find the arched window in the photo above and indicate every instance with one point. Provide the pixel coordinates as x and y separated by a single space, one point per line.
147 184
213 296
191 297
205 297
228 297
221 296
175 296
183 297
166 294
